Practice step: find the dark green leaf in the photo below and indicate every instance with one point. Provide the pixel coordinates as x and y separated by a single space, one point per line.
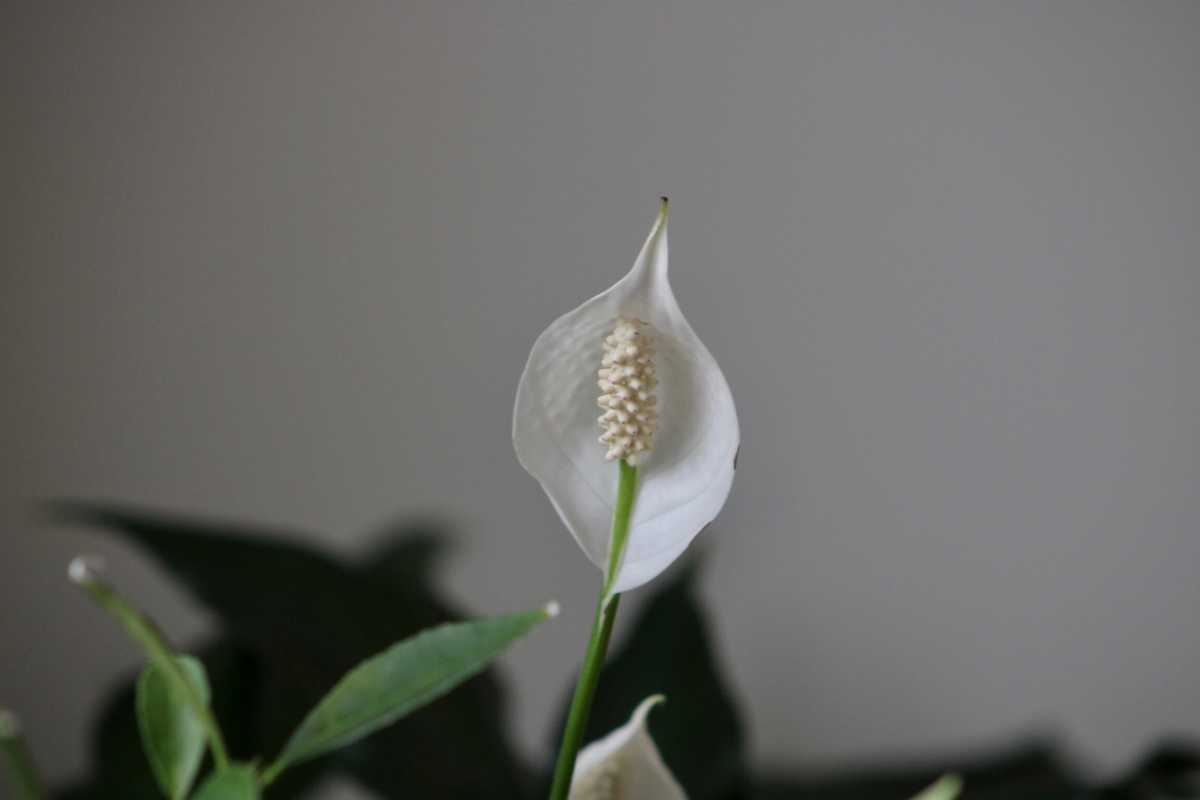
404 677
172 736
235 782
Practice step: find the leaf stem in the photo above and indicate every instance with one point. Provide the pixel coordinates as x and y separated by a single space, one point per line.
24 775
593 660
143 630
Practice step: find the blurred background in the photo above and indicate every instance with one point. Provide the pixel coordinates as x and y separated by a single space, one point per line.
283 262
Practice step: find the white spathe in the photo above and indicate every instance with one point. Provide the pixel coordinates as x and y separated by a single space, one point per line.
685 480
625 765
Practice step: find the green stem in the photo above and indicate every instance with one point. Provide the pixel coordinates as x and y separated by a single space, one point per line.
143 630
593 660
24 775
622 511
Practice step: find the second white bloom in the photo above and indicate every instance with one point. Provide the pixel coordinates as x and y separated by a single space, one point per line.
625 765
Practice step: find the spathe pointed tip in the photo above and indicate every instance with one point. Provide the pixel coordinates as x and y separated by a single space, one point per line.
663 202
643 710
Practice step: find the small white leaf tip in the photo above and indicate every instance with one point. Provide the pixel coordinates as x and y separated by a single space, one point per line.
83 568
552 609
10 725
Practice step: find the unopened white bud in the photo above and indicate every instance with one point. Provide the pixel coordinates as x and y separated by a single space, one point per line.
626 380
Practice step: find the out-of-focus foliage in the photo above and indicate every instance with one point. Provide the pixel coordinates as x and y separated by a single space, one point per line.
292 620
1034 772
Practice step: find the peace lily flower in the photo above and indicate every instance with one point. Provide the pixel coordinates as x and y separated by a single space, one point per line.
665 412
625 765
665 407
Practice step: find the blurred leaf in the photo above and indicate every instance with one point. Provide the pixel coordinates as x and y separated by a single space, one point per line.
946 788
404 677
1029 773
1171 772
22 775
1033 771
172 736
296 620
698 730
235 782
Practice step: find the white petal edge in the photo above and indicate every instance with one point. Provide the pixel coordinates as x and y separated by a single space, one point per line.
629 756
688 476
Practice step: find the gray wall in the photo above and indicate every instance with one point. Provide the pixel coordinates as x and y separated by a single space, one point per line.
284 261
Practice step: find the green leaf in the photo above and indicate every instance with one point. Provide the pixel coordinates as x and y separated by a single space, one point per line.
154 644
946 788
402 678
172 735
235 782
282 649
118 765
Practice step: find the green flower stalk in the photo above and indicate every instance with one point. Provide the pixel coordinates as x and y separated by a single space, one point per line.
602 625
